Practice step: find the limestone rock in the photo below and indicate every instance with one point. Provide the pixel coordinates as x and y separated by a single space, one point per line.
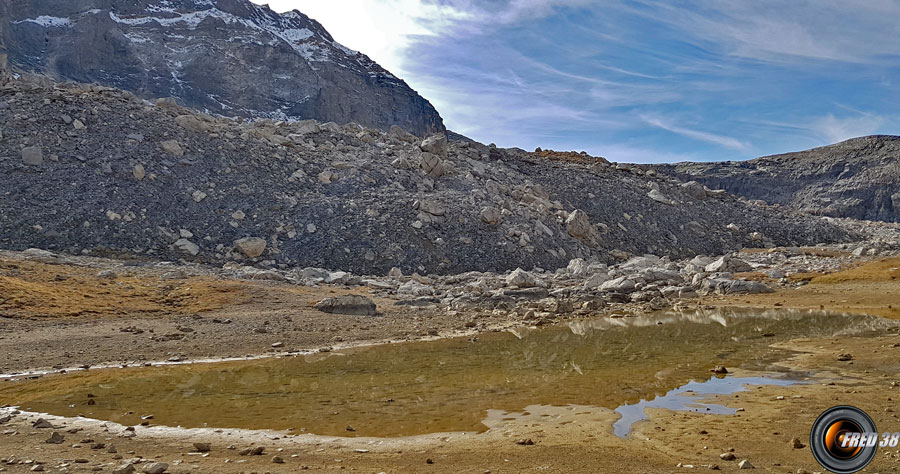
578 224
155 468
186 246
251 247
436 145
356 305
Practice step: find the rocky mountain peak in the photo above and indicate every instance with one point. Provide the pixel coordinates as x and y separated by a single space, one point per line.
227 57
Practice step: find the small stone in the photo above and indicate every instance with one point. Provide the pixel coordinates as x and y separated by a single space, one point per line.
719 369
745 464
139 172
172 147
277 345
41 423
107 275
155 468
311 228
201 447
238 215
78 124
32 155
126 468
727 456
277 460
525 442
55 438
844 357
198 196
797 444
37 468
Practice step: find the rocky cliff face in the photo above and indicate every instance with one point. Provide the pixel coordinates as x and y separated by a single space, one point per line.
857 178
227 57
88 169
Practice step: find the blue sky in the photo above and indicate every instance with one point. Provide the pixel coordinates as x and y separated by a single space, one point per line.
638 81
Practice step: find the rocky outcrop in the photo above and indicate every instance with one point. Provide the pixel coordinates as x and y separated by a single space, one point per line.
858 178
159 181
228 57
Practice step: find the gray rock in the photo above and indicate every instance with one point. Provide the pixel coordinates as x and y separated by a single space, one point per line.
490 215
621 285
356 305
436 145
32 155
186 246
172 147
657 196
415 288
522 279
201 447
55 438
728 263
578 224
745 464
695 190
250 247
155 468
126 468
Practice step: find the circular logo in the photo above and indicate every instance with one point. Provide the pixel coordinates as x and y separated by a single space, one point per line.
844 439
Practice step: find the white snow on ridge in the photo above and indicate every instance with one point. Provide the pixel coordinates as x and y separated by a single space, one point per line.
294 34
48 21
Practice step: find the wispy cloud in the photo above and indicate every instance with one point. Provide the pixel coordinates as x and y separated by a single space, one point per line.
642 79
721 140
836 129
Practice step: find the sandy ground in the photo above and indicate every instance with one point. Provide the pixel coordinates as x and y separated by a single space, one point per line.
566 439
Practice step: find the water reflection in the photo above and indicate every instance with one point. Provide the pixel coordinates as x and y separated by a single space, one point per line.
446 385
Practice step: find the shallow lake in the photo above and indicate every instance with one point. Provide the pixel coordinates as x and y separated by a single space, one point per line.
446 385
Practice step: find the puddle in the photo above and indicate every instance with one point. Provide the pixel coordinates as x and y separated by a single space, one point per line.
438 386
684 398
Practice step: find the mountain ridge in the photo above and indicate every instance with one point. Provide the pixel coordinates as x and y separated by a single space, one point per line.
226 57
857 178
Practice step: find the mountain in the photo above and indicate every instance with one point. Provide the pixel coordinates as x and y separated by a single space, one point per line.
91 169
857 178
227 57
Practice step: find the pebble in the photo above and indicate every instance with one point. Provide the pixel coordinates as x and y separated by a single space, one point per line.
727 456
745 464
202 447
55 438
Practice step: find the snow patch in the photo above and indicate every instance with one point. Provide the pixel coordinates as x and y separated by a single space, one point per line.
48 21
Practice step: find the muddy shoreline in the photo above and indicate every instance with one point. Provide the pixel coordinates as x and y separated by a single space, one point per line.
579 439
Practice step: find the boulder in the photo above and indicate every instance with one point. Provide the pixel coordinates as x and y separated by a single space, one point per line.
620 285
730 264
415 288
657 196
432 164
578 224
435 144
356 305
695 190
172 147
186 246
490 215
250 247
155 468
521 279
